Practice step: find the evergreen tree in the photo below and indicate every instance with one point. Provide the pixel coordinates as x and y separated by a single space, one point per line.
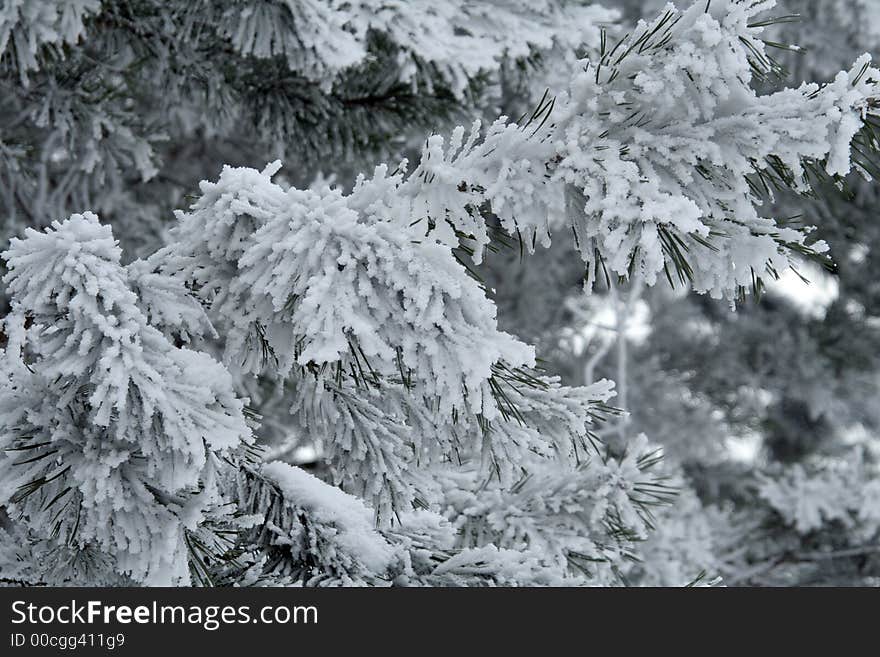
352 320
772 401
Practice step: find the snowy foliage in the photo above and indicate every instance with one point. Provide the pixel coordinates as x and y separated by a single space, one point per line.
582 520
447 454
98 98
460 39
393 346
659 154
314 533
27 26
658 157
111 434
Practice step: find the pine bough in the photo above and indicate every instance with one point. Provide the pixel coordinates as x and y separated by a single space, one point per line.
128 453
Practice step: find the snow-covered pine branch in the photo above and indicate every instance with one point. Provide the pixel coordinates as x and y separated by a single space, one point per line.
307 531
120 443
111 435
460 40
97 98
556 526
364 302
392 346
659 157
27 27
581 523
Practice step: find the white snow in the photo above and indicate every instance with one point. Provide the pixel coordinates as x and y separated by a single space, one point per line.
352 519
